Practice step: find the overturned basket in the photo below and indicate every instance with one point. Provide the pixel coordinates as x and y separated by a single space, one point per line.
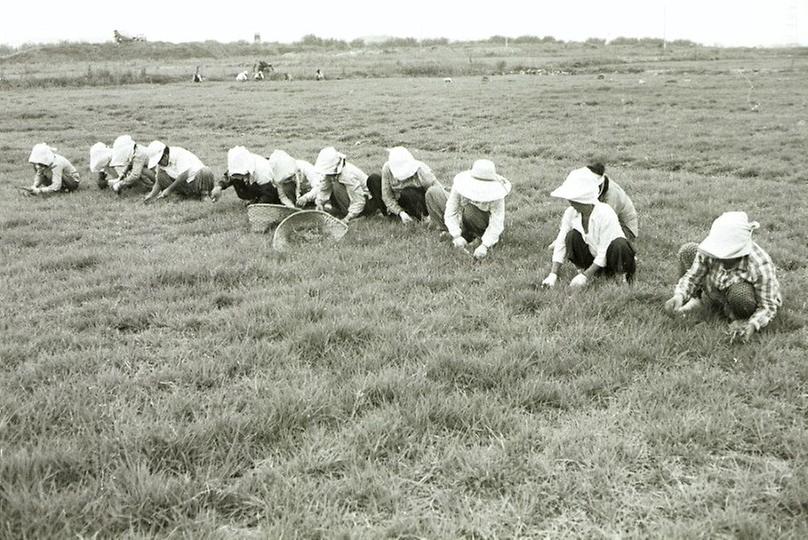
306 227
263 216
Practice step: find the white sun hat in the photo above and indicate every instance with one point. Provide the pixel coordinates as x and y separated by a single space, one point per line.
42 153
122 151
100 156
482 183
730 236
329 161
581 186
402 163
282 165
240 161
155 152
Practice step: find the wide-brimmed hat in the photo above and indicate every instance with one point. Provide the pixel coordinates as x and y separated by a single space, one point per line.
100 156
240 161
730 236
482 183
282 165
329 161
42 153
122 151
155 152
402 163
581 186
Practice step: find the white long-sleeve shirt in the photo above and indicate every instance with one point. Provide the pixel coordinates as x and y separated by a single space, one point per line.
453 216
355 182
181 160
604 227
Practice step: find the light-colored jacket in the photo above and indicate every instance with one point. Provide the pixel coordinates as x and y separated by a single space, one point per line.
391 187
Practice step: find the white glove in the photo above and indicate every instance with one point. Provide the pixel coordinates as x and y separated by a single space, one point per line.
215 193
35 190
116 186
550 280
405 217
674 304
578 281
481 251
459 242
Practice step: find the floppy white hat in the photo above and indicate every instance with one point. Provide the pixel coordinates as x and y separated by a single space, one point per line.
100 156
482 183
329 161
581 186
402 163
122 151
730 236
155 152
282 165
240 161
42 153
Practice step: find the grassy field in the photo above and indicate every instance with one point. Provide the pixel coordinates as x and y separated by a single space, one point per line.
164 373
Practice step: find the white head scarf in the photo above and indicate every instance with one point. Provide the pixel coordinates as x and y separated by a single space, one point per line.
730 236
282 165
329 161
100 156
581 186
155 152
123 149
402 163
42 153
240 161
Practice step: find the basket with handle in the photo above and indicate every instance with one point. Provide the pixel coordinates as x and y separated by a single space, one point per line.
307 227
263 216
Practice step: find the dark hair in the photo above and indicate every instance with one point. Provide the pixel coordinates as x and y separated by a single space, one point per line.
597 168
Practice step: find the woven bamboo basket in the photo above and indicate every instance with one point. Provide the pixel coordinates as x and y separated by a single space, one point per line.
263 216
308 227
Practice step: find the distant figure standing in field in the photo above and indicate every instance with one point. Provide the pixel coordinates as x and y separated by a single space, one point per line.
177 169
405 181
100 158
130 160
474 208
729 273
590 235
197 76
250 175
615 196
318 75
352 193
52 172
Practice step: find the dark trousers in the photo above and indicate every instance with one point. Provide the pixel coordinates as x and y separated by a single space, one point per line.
255 193
413 201
340 201
619 255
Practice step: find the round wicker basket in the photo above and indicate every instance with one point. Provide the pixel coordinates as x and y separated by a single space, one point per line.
263 216
306 227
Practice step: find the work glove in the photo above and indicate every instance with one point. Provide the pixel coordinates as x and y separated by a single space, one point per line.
550 280
579 281
405 217
459 242
481 252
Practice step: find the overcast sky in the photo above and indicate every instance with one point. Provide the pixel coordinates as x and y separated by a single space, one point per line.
721 22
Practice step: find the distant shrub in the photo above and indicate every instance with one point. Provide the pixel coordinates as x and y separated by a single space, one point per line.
595 41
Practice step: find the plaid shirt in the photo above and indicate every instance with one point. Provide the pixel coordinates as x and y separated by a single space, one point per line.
757 268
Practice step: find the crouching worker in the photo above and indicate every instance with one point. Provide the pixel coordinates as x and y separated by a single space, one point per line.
729 273
250 175
178 170
474 208
295 180
100 158
590 235
404 183
615 196
346 186
52 172
130 160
